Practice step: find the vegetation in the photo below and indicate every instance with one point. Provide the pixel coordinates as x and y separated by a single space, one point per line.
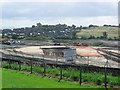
70 74
43 31
15 79
40 37
62 31
101 32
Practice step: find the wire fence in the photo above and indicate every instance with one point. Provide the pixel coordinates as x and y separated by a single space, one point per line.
71 72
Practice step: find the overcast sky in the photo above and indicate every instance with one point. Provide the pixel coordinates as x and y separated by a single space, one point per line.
21 13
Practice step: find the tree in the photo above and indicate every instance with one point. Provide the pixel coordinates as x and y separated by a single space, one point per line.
91 37
91 26
33 26
73 26
14 36
39 24
74 36
105 35
80 27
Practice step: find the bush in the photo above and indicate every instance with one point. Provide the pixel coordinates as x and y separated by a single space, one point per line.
66 73
5 65
25 68
98 82
107 81
14 66
70 73
75 77
37 69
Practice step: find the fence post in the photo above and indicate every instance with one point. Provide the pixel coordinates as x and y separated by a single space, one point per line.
19 65
56 60
106 74
80 78
105 78
44 66
60 73
44 69
9 63
88 60
31 66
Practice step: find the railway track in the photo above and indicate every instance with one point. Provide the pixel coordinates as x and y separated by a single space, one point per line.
110 55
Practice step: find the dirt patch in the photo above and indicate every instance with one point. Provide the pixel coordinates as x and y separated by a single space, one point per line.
33 50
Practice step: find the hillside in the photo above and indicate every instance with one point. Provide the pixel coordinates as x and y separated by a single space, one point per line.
98 31
42 32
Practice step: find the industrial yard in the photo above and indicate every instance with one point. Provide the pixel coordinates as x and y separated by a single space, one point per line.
84 54
60 44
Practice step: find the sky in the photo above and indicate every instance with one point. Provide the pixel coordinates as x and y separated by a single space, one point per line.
25 13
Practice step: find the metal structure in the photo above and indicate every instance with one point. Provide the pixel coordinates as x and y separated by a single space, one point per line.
63 53
109 56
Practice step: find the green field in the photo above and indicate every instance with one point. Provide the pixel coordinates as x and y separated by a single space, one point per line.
69 74
97 32
16 79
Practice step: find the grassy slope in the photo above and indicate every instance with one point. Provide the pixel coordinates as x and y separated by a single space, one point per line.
111 31
15 79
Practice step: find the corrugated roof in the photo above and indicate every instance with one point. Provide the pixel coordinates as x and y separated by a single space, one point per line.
54 47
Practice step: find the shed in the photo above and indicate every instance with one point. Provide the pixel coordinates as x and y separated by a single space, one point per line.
64 53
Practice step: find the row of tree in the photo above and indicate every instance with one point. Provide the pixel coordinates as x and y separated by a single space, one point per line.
59 31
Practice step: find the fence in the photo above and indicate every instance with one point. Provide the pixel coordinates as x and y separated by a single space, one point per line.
60 70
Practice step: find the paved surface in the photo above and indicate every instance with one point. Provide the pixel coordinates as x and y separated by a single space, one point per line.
97 61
